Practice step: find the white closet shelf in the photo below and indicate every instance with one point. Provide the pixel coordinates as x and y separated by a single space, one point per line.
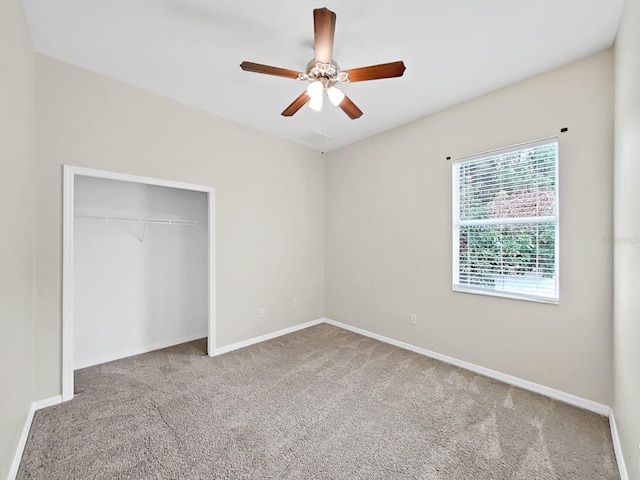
163 221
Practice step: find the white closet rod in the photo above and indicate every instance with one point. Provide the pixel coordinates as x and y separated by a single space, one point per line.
165 221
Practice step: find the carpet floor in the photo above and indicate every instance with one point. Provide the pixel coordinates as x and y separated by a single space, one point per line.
321 403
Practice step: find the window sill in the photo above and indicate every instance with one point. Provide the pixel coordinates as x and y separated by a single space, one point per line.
506 294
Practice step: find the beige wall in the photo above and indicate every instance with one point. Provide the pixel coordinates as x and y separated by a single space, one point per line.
269 194
388 233
17 198
627 234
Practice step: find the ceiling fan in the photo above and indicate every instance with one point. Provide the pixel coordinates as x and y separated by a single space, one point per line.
324 73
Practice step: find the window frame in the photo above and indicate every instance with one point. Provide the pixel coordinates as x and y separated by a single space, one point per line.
457 223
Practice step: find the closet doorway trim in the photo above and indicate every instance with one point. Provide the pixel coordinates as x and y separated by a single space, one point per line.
69 174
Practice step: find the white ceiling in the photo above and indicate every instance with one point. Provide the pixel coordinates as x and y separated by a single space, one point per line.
190 51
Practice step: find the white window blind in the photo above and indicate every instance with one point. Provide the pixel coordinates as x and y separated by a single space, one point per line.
505 222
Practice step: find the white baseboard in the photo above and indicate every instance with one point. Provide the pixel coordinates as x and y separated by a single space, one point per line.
617 447
136 351
263 338
580 402
35 406
47 402
17 458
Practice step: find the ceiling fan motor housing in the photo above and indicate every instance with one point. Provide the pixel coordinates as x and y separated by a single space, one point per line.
328 73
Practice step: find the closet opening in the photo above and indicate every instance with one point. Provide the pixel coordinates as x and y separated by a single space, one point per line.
138 267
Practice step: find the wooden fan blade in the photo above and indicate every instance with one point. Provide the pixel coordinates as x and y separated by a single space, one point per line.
324 28
376 72
268 70
296 105
350 108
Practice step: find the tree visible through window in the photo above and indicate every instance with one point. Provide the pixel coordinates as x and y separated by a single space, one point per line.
505 223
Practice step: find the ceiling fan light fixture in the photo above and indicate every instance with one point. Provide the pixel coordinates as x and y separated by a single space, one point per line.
336 96
323 72
316 102
315 89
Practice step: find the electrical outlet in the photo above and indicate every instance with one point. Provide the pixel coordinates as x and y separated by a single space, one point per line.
413 319
261 313
295 302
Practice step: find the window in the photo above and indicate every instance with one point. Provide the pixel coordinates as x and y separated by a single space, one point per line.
505 223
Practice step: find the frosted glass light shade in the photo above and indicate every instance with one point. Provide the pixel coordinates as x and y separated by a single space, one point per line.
316 102
315 89
335 96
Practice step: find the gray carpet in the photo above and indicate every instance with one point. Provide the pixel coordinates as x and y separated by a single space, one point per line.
322 403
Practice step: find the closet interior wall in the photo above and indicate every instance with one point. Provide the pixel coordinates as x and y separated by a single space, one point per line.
140 268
